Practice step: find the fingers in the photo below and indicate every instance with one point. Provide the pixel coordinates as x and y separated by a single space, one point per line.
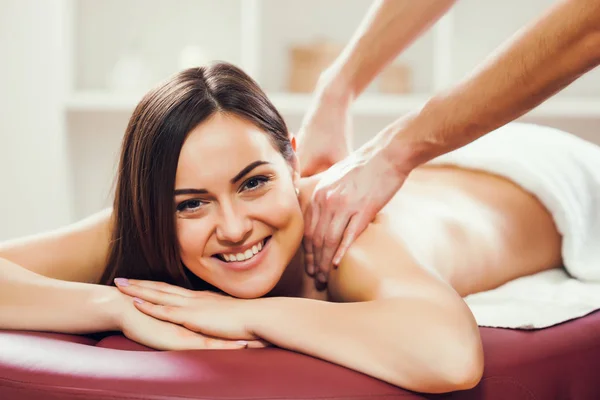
164 313
162 286
331 242
358 223
153 295
311 218
319 242
224 344
320 226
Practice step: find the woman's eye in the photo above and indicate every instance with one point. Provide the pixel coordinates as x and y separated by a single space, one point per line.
255 182
190 205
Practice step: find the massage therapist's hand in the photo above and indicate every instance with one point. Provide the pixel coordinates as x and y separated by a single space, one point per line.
162 335
345 201
205 312
325 134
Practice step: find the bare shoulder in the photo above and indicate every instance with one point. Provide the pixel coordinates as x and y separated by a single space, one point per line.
378 265
76 252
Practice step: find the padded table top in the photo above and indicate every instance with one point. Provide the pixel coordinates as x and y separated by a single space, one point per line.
561 362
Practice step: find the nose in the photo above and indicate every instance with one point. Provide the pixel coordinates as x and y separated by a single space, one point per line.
234 225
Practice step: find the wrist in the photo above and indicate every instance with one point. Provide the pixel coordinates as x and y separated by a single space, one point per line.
257 313
411 141
334 87
112 301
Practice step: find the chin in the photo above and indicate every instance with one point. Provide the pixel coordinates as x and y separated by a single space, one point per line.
251 290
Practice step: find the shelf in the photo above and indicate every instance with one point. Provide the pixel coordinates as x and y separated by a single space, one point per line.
368 105
286 103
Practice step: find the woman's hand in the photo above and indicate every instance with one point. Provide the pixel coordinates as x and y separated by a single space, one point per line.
205 312
162 335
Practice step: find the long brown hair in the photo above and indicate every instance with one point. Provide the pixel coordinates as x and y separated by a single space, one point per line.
144 243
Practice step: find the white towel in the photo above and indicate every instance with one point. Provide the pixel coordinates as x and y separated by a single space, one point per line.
563 171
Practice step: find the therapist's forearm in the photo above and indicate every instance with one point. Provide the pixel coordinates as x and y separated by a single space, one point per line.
389 27
536 63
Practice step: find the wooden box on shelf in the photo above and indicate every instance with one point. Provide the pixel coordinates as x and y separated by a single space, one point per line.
308 61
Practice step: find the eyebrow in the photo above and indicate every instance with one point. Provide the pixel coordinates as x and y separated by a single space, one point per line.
245 171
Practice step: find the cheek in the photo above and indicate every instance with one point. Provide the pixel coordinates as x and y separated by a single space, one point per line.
281 207
192 238
282 211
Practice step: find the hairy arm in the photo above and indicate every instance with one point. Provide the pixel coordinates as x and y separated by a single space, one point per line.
393 320
537 62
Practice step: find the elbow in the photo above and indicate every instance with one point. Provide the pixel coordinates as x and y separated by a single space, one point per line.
464 371
457 360
461 359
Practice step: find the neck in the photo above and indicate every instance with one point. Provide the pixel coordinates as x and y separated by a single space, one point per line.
293 280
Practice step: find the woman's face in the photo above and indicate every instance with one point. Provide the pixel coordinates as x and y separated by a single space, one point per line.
238 218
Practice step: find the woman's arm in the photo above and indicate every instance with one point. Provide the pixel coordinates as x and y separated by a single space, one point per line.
30 301
392 320
398 322
76 252
46 280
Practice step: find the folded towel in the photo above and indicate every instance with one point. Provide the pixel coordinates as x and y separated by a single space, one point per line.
563 172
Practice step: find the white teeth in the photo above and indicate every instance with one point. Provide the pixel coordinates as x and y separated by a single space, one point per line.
245 255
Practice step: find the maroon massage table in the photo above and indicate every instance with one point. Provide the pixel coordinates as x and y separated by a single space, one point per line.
561 362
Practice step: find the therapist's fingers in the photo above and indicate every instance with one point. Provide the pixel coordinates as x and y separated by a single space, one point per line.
311 217
319 238
332 241
358 223
322 199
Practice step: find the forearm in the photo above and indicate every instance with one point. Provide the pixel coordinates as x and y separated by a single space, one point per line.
389 27
29 301
413 343
536 63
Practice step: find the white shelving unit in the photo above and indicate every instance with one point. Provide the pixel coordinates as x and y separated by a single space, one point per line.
367 105
256 34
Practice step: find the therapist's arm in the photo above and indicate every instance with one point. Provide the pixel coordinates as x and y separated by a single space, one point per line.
388 28
539 61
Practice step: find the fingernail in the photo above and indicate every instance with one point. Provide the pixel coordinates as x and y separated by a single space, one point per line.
321 277
121 282
243 343
137 300
311 269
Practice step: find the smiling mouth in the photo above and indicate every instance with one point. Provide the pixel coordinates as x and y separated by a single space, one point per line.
247 255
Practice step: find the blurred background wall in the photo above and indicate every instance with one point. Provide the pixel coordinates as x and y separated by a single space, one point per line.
72 71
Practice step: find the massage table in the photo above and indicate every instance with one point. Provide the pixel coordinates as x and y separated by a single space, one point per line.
560 362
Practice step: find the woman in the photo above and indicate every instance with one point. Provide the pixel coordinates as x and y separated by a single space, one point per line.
204 246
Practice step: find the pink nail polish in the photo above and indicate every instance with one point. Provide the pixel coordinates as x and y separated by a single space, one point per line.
137 300
122 282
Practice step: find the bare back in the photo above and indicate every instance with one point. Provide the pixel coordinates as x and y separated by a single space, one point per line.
474 230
